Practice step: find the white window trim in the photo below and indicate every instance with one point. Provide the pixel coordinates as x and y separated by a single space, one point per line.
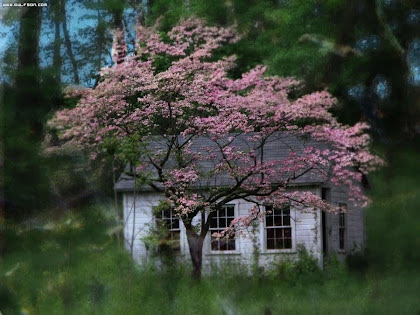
182 236
263 235
224 252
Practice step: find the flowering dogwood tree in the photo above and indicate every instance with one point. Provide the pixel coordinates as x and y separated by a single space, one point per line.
172 96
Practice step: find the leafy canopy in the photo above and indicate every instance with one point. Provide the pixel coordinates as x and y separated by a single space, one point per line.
191 121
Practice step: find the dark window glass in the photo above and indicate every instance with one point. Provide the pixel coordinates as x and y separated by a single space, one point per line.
171 223
230 211
221 220
342 227
278 228
286 220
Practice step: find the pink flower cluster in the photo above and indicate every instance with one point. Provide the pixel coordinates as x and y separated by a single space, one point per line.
194 97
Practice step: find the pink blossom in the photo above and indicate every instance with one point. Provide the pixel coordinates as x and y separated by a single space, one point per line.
194 98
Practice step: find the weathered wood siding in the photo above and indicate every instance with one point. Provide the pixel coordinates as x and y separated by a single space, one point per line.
306 231
354 235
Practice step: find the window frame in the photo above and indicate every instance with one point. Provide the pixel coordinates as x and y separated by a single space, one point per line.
342 228
263 232
162 217
212 230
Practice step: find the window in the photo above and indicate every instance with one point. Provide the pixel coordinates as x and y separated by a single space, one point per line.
171 223
342 227
278 228
221 220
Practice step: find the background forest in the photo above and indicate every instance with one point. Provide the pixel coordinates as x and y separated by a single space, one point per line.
58 247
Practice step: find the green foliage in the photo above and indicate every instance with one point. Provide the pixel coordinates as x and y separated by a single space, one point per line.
303 269
157 241
130 149
392 219
72 266
306 263
357 262
335 44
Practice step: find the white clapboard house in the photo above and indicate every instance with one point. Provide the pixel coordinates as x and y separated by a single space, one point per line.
279 234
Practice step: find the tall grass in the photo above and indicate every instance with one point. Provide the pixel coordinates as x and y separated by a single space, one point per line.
72 266
76 268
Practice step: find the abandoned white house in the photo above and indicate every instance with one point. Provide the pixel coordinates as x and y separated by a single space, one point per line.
277 235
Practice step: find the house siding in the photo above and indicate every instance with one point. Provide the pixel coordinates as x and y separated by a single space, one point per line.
354 236
306 232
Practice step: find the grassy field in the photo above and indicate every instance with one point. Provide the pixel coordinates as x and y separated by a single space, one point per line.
74 267
71 265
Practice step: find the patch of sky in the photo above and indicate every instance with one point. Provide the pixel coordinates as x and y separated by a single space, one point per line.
6 34
130 16
381 87
45 41
356 92
413 17
413 61
76 21
368 43
78 17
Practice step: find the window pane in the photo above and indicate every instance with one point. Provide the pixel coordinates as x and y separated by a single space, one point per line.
222 244
214 244
278 234
286 220
167 223
222 222
279 244
166 214
341 219
341 238
278 220
213 222
270 233
229 220
219 222
175 224
223 212
278 228
230 211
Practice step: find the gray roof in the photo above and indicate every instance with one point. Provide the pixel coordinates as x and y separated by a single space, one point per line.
277 148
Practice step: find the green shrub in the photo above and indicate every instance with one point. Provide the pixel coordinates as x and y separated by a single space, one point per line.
306 263
304 268
78 268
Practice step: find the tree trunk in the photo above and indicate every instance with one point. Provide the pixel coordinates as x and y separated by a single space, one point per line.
195 243
23 109
57 43
68 44
27 74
